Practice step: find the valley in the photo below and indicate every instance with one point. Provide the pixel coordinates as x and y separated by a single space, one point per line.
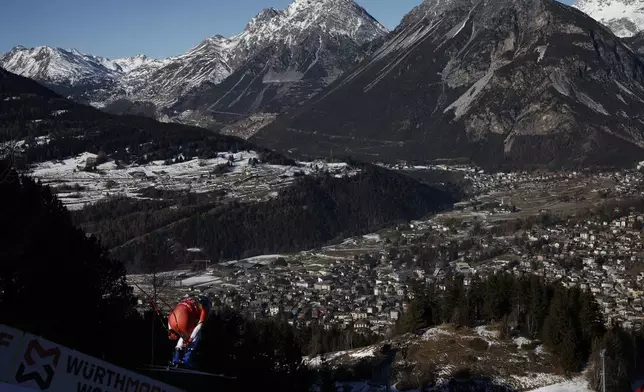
495 229
451 203
564 227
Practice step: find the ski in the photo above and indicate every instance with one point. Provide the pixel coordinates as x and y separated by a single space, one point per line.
158 368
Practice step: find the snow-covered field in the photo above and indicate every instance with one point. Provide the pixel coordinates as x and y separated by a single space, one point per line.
263 260
242 181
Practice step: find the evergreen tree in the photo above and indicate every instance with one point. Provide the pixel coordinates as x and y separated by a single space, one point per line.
419 312
591 320
268 351
560 332
51 271
620 360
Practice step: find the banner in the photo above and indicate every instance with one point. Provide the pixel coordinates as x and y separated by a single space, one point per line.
29 361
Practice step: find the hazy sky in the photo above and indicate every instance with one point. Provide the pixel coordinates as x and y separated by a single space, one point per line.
157 28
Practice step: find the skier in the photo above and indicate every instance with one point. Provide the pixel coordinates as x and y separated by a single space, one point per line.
184 324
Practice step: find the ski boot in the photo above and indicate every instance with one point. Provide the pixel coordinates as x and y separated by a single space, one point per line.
187 362
176 360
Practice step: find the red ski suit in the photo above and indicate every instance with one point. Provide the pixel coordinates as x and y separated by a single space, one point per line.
186 319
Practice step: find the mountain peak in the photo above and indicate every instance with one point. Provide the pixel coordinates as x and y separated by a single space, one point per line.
624 17
498 82
328 17
314 40
267 13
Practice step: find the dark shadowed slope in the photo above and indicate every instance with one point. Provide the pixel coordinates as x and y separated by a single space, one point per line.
500 82
636 43
29 111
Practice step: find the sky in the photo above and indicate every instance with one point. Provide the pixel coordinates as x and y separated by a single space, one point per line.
156 28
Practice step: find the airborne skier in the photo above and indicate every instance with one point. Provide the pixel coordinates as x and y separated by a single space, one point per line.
184 324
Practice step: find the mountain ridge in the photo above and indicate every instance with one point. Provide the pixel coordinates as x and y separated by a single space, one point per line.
514 84
101 81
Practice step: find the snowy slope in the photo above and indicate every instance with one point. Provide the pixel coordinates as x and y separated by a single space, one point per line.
624 17
275 46
282 59
130 64
47 64
343 19
79 76
207 62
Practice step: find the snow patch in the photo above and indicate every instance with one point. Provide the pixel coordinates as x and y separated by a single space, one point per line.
487 335
560 83
435 333
628 91
317 361
619 96
200 280
367 352
537 380
463 103
372 237
596 106
577 384
542 52
521 341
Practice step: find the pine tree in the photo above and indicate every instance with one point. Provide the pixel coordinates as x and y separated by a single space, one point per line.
591 320
560 333
52 266
620 361
419 311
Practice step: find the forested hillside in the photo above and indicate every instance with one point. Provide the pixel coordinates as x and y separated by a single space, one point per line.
311 213
53 127
60 284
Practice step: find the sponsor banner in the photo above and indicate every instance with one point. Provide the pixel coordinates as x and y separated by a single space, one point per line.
42 365
10 341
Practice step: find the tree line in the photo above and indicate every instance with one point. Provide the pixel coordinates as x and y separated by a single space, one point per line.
58 283
311 212
567 320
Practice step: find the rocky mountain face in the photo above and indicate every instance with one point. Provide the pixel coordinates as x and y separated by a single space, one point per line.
504 82
636 43
281 58
624 17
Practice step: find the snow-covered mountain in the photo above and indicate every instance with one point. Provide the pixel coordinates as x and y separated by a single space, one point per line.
339 19
323 36
56 65
624 17
283 57
78 75
501 83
